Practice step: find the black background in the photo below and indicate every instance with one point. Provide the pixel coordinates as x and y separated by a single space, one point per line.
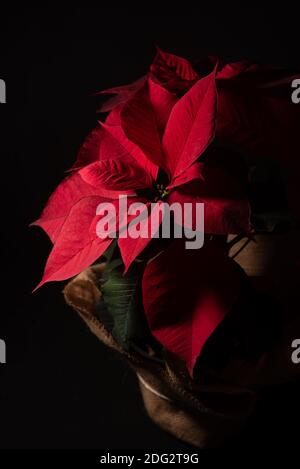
60 387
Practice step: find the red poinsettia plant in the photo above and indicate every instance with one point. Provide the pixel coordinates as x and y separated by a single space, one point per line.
175 135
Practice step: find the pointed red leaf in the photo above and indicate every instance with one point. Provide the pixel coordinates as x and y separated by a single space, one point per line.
114 117
162 102
191 125
123 93
89 150
124 89
235 69
118 142
221 215
174 72
193 172
186 294
72 189
121 164
256 113
226 207
77 246
139 124
121 173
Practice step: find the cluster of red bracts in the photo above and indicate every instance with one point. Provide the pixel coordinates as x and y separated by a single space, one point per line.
177 124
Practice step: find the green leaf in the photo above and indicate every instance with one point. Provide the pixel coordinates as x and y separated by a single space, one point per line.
121 295
110 251
103 315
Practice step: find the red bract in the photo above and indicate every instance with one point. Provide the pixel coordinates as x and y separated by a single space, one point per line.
173 72
122 93
90 149
68 193
69 219
186 294
120 165
76 246
256 113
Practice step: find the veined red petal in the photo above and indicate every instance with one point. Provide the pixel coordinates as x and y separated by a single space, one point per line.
226 207
120 165
235 69
221 215
256 113
123 144
122 173
114 117
89 150
191 125
162 102
193 172
76 247
123 93
174 72
139 124
186 294
72 189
